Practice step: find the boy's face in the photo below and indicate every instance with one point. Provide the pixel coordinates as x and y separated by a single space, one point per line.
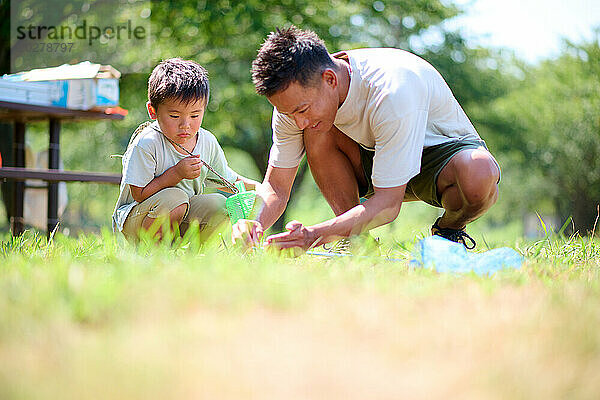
179 121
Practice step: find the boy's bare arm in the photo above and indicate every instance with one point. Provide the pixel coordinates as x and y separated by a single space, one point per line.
188 168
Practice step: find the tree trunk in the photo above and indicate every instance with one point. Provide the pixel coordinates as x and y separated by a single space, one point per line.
585 214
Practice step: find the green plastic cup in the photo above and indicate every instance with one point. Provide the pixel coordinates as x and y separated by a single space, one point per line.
240 205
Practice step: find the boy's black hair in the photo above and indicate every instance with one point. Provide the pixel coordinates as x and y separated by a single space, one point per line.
289 55
183 80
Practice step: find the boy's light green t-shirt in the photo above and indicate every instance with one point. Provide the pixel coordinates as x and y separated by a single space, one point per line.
151 154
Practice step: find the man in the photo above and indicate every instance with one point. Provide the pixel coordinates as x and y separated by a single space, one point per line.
375 123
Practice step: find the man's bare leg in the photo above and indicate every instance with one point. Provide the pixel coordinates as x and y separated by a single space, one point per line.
334 161
469 187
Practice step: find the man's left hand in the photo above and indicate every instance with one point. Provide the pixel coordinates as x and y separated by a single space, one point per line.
298 235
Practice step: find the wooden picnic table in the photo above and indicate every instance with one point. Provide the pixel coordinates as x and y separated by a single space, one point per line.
20 115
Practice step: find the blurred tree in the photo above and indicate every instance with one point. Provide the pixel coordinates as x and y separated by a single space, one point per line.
551 125
477 76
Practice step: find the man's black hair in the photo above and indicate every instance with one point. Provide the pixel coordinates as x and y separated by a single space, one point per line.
178 79
289 55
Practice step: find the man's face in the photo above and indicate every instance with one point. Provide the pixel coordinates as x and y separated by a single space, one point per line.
313 108
179 121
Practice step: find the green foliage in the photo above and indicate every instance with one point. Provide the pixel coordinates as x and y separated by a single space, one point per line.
476 76
550 128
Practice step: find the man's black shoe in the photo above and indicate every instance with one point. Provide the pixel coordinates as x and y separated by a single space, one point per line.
455 235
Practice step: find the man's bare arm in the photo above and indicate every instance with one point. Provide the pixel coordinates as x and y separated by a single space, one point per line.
275 193
380 209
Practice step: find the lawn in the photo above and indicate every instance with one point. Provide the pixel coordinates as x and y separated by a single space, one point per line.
96 318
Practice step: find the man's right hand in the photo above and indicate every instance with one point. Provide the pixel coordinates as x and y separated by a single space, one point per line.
247 233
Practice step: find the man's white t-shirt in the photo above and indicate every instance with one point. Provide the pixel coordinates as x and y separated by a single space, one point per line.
397 104
150 155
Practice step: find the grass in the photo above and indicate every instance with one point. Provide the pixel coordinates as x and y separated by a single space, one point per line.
94 317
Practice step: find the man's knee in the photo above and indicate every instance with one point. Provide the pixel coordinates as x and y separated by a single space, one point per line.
333 153
320 146
478 179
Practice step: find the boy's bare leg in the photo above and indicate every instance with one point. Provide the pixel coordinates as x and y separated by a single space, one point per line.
334 161
469 187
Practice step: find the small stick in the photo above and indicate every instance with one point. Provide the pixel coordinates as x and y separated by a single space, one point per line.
211 169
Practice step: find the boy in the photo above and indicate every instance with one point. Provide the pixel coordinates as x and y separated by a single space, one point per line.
160 177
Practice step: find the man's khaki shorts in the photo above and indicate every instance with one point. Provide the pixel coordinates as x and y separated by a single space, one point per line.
208 209
424 185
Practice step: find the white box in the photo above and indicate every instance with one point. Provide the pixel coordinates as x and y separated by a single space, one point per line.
82 86
36 93
85 94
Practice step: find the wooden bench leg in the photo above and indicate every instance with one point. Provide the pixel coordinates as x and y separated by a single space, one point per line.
17 221
53 157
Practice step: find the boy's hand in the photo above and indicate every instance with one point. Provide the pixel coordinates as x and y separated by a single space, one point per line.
247 233
189 168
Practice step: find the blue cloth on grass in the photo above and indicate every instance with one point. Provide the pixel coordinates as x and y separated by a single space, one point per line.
444 255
